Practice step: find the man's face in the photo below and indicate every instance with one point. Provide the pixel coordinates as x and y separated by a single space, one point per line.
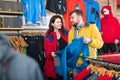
74 18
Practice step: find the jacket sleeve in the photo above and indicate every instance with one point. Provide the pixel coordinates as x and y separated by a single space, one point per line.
117 30
48 48
97 41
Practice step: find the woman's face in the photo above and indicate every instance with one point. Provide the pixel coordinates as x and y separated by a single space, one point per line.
57 23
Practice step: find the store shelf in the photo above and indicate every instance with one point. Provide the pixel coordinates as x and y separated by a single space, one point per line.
11 29
11 12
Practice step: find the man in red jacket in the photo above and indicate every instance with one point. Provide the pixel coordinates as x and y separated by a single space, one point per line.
110 29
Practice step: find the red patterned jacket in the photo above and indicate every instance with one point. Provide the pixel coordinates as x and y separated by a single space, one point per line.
50 45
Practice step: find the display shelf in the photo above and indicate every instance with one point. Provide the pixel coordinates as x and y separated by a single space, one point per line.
11 29
11 12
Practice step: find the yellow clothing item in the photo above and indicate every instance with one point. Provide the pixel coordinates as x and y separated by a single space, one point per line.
91 32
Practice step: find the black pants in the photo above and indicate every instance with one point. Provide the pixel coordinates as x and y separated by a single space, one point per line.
36 48
107 48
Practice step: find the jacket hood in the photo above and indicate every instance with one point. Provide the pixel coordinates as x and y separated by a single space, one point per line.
108 8
49 33
4 46
52 33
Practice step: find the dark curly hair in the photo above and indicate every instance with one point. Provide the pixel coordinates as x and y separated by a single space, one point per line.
52 20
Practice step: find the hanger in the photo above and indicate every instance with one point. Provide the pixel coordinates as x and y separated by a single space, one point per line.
10 39
112 73
24 44
15 41
18 41
102 71
89 66
117 75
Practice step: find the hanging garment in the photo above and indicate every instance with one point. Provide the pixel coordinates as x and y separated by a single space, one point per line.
34 11
56 6
93 12
82 74
110 26
88 76
93 77
105 77
118 2
72 5
36 48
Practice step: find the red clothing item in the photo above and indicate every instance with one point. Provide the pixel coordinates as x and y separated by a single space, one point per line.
110 27
118 2
71 5
82 74
105 77
50 45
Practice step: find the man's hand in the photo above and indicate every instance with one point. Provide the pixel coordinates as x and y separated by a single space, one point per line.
87 40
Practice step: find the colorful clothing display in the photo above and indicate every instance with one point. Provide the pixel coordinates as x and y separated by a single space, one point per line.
34 11
110 26
93 12
71 5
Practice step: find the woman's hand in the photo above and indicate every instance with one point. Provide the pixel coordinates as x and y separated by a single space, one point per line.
53 54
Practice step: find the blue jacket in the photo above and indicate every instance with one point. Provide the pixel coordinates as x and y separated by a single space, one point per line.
69 56
34 11
93 12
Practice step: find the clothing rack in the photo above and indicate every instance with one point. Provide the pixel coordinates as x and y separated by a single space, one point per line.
106 64
13 33
33 32
22 33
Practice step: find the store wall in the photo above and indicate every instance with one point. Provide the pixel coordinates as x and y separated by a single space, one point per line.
112 3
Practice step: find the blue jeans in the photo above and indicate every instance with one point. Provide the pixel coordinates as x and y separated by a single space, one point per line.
79 67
